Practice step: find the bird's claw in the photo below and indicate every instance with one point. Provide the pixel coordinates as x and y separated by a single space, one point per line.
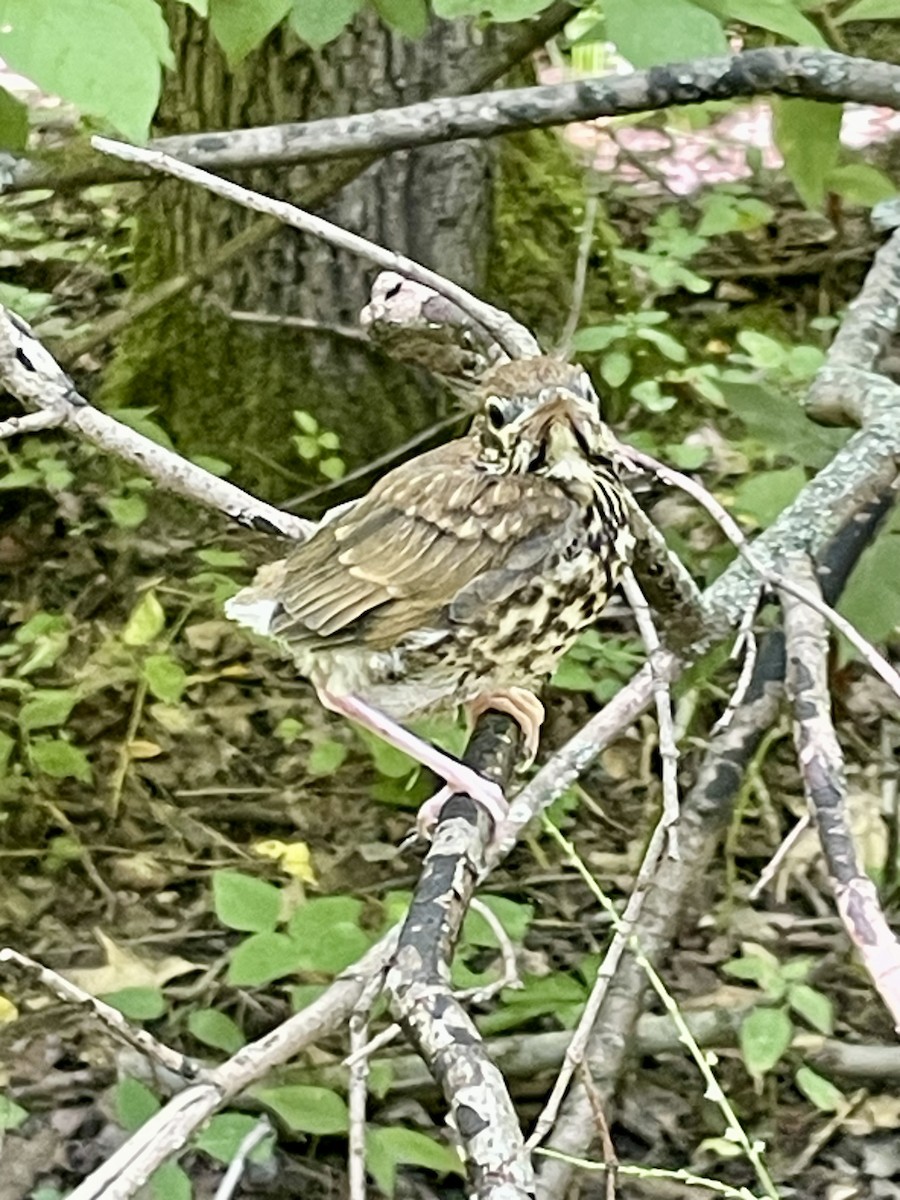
483 792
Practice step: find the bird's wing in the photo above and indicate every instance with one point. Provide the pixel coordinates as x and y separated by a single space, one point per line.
418 541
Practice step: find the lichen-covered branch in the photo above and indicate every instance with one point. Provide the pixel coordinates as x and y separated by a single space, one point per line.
418 982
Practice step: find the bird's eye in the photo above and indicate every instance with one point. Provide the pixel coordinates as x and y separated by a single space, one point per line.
495 413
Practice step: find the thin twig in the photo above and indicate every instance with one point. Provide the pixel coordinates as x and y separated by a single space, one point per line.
624 928
357 1089
668 750
564 349
71 993
770 870
232 1177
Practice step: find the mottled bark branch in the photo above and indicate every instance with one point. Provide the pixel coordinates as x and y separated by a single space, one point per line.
418 982
822 770
786 71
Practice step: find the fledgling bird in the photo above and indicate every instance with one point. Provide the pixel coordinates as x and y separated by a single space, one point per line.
463 576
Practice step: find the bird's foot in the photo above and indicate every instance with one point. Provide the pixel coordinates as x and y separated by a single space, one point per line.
520 704
483 792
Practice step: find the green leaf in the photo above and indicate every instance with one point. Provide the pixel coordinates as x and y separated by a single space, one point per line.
820 1092
557 995
665 31
103 55
306 446
765 495
215 1029
808 135
21 477
327 935
615 367
60 759
11 1114
756 969
779 422
409 17
778 16
170 1182
13 123
765 1035
514 918
686 457
764 352
332 467
306 1109
878 574
305 421
134 1104
216 466
870 10
261 958
573 676
146 622
221 558
138 1003
139 419
596 337
387 1149
223 1135
165 677
860 183
813 1006
244 902
200 7
325 757
388 761
46 709
239 26
665 344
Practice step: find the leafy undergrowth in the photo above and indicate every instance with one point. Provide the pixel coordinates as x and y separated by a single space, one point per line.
180 822
184 832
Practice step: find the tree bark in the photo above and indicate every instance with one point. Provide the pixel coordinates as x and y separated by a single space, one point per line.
228 389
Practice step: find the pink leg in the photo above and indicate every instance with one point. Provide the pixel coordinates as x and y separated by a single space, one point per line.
459 777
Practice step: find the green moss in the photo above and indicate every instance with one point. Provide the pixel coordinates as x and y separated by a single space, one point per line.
539 201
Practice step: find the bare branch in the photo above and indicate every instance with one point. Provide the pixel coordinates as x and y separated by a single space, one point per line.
786 71
155 1051
775 579
822 768
30 373
515 338
668 750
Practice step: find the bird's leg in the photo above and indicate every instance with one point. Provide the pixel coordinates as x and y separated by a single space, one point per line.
520 704
460 778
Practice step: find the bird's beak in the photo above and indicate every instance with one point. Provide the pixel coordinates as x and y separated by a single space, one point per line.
571 424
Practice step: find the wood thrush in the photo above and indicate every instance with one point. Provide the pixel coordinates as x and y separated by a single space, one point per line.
464 575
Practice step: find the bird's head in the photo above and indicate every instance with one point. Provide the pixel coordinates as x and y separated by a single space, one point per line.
542 416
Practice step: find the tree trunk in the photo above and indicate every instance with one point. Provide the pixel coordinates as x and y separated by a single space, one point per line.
228 388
